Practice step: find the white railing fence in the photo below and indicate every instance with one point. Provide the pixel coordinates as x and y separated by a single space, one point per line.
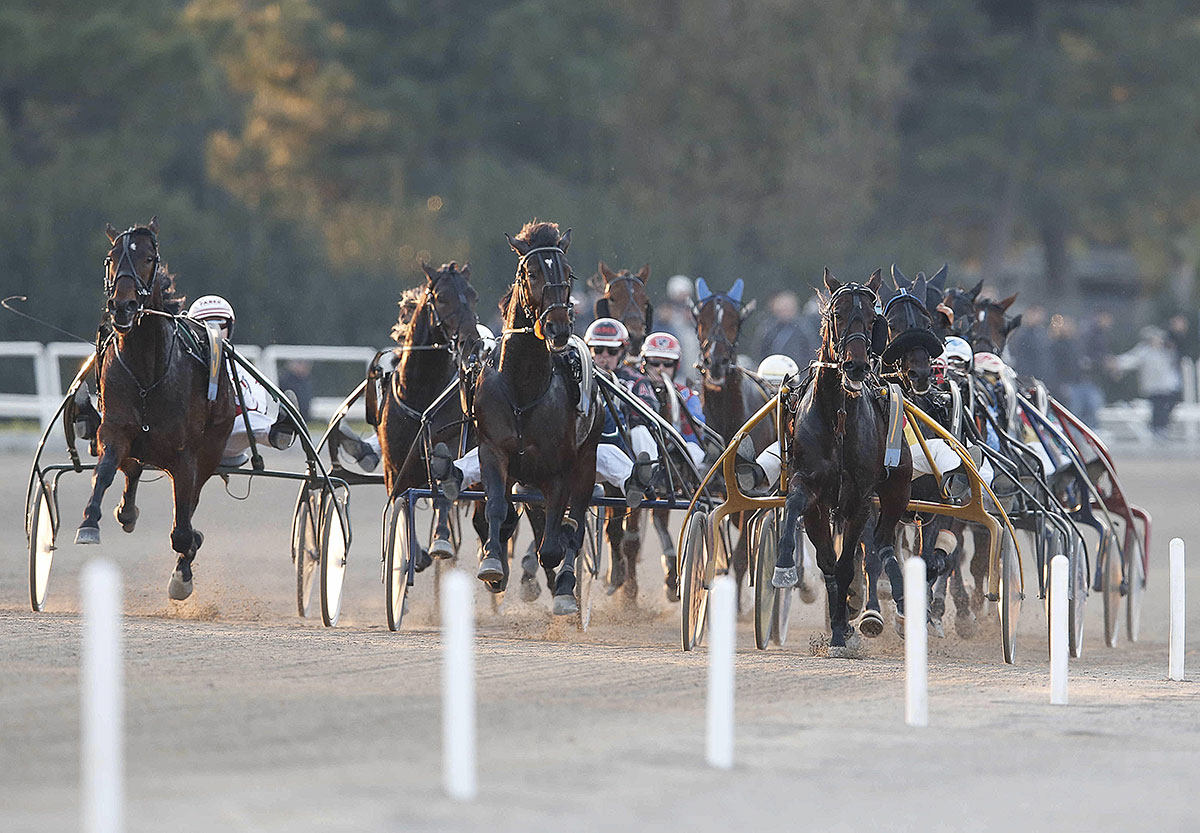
48 371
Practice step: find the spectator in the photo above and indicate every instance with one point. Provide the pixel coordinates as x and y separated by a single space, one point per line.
674 316
1182 336
787 332
296 375
1159 381
1029 347
1095 351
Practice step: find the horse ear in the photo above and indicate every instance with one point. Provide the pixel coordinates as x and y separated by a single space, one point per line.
643 274
974 293
735 291
1012 324
749 308
938 281
112 233
702 290
465 271
918 287
605 272
831 283
428 270
564 242
898 278
1008 302
597 282
875 281
519 246
153 225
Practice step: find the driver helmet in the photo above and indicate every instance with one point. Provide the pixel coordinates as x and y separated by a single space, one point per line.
989 363
212 308
776 368
957 353
606 332
661 346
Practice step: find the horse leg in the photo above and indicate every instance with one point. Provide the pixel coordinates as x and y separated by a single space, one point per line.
553 551
573 531
741 557
979 567
441 545
184 539
127 512
893 501
614 531
631 545
493 567
115 450
670 561
797 504
816 522
870 622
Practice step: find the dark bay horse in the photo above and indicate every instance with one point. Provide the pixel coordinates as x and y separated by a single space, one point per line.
530 431
729 395
837 461
153 397
437 333
991 324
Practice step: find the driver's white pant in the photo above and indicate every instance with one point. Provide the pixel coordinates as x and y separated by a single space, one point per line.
697 454
238 442
613 466
642 440
946 459
771 462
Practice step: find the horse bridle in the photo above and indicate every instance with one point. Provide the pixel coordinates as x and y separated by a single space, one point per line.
557 286
452 341
125 267
857 314
703 363
909 301
980 341
643 313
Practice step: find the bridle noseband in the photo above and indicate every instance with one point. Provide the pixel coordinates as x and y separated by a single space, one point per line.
633 307
717 337
464 308
843 341
556 290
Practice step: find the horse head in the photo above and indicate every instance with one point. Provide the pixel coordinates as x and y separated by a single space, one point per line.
451 300
543 285
961 305
718 317
912 342
131 274
623 297
991 325
848 330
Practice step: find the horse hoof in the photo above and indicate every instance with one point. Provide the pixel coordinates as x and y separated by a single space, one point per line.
530 589
491 570
871 623
966 626
178 589
129 524
422 561
87 535
565 605
671 591
934 627
900 624
441 548
785 577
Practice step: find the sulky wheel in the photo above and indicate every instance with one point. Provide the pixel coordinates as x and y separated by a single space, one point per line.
333 548
766 596
42 532
396 554
1136 577
1078 591
1111 586
306 551
693 595
1010 595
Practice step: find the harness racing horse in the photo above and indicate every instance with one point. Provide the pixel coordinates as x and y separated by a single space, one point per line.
623 297
837 462
729 395
153 396
991 326
530 431
437 333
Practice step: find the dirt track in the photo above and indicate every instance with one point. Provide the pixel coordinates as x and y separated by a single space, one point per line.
242 717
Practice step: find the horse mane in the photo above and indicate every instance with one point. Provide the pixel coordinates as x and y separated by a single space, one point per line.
410 302
538 233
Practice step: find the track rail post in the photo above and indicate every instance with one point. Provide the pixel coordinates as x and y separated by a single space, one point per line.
1175 650
916 648
458 687
722 632
1059 568
101 696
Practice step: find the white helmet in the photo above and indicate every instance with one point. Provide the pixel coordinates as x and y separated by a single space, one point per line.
957 350
776 368
210 307
661 346
989 363
679 288
606 332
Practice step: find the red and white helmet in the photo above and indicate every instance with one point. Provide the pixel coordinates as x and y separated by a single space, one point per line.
662 346
210 307
989 363
606 332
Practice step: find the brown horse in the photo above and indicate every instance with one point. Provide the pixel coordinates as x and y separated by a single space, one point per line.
530 431
623 297
437 333
837 462
991 326
153 397
729 396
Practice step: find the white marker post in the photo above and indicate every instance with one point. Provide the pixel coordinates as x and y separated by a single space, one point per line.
1175 650
101 699
1059 567
916 653
458 686
722 632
